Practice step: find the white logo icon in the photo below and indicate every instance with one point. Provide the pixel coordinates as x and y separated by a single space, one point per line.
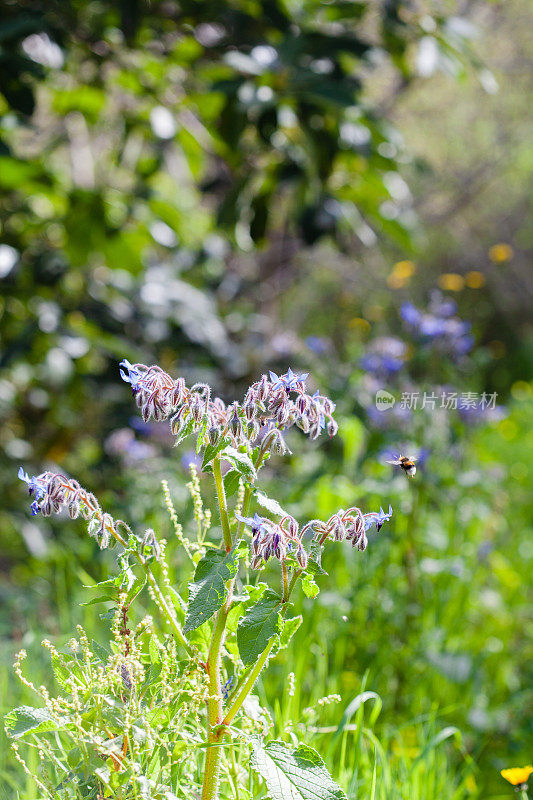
384 400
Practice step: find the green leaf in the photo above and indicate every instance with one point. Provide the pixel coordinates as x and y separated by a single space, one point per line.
309 586
153 650
314 569
211 451
271 505
61 665
257 627
231 482
289 628
105 598
294 774
178 602
208 591
241 462
100 652
24 719
133 584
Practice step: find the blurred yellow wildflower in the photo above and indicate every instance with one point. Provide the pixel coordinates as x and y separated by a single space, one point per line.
475 279
359 324
517 775
451 281
501 252
401 273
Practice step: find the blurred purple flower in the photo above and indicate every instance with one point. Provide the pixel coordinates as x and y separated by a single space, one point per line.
385 357
410 314
318 344
439 325
191 457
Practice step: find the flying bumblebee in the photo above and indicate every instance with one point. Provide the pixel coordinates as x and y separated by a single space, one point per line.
407 464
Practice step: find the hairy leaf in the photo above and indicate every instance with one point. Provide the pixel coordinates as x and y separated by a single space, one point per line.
289 628
257 627
271 505
309 586
241 462
26 718
294 774
231 482
208 591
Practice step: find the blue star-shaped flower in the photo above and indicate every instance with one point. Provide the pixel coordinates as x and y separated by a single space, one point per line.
133 376
34 487
287 381
255 523
377 517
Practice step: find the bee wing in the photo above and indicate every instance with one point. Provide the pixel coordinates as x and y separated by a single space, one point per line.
396 462
414 458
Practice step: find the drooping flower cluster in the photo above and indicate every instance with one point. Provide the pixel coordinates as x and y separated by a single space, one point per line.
439 324
52 492
283 539
272 404
351 525
277 540
282 402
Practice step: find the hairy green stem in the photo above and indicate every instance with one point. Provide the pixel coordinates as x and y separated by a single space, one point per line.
222 504
248 492
214 703
216 730
176 628
214 658
285 580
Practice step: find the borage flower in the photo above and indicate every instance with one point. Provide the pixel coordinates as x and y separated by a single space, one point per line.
378 518
33 483
274 540
54 492
351 525
255 523
291 382
269 402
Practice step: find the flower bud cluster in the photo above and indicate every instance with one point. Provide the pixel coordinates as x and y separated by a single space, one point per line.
52 492
273 403
271 539
351 525
281 402
279 540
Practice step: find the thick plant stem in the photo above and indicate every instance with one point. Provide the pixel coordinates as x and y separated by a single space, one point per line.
248 493
214 703
221 495
216 731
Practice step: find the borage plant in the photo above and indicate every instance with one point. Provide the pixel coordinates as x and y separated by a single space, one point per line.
169 715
